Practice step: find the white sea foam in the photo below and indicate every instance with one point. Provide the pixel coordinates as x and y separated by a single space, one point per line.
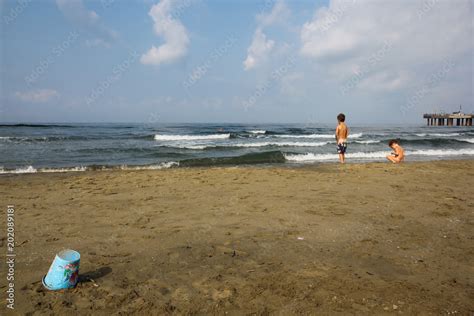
441 152
190 137
31 169
308 157
281 144
306 136
257 132
254 145
163 165
438 134
367 141
28 169
73 169
356 135
168 164
467 140
10 139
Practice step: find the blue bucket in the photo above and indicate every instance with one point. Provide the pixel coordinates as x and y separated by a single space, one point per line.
64 271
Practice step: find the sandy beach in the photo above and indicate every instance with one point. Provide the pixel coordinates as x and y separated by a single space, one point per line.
324 239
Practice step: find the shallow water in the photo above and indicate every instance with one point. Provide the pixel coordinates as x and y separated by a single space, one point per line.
78 147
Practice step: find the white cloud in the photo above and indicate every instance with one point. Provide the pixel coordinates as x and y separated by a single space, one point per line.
258 50
279 14
173 32
349 40
88 20
37 96
323 35
260 47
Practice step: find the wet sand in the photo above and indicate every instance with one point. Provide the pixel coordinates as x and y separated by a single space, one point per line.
318 240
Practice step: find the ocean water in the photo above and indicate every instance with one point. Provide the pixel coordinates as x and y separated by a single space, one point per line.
78 147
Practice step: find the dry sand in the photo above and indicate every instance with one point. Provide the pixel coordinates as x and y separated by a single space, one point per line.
327 239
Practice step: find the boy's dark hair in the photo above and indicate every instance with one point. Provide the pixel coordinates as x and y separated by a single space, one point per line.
393 141
341 117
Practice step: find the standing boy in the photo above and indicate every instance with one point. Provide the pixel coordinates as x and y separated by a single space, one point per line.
341 136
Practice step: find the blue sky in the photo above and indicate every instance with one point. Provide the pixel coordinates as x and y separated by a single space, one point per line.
234 61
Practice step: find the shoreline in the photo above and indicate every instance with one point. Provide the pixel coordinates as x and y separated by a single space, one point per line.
175 165
350 239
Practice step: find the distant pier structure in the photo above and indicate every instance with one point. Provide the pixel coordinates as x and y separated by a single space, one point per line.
442 119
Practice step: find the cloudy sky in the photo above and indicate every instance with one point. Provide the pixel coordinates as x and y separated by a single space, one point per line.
235 61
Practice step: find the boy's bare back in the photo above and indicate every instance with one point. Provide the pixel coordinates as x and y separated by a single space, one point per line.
341 132
341 136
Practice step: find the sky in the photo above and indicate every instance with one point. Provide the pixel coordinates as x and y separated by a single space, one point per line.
261 61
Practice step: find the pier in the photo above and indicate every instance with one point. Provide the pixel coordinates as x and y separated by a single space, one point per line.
442 119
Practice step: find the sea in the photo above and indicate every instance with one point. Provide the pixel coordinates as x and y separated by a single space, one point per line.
30 148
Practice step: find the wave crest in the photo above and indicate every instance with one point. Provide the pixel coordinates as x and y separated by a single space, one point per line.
190 137
309 157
